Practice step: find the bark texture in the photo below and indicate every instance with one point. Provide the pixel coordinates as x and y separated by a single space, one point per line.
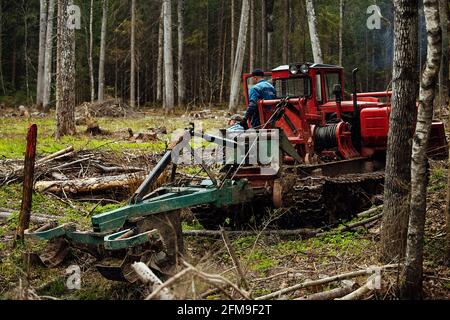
133 56
168 57
41 58
412 287
48 56
101 65
402 118
239 58
312 22
181 78
65 74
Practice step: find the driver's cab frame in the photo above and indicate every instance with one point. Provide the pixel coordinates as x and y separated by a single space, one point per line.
319 97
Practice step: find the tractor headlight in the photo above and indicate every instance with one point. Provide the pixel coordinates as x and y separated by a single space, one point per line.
293 69
304 69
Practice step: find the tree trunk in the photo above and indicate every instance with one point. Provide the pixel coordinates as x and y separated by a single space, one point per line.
239 58
41 58
270 31
25 49
341 32
160 65
412 287
181 80
286 22
402 119
65 79
48 56
168 57
264 34
252 36
2 80
133 56
444 74
233 34
91 48
101 65
315 42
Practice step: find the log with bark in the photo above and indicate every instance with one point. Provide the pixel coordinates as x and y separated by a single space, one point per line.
91 185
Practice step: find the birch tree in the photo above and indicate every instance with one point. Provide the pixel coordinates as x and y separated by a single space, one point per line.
239 57
168 57
402 119
413 282
101 65
65 73
270 31
264 34
133 56
2 81
181 80
252 36
48 56
91 48
41 58
286 25
233 32
444 74
312 22
160 63
341 32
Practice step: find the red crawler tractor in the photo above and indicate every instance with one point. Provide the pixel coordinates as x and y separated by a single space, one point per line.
341 145
327 159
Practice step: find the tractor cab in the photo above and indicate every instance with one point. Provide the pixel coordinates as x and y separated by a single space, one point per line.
316 83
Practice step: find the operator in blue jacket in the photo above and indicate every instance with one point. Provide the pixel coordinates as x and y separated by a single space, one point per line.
262 90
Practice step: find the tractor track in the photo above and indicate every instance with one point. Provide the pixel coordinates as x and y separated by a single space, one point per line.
307 202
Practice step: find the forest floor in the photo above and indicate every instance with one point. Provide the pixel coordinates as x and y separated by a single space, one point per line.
269 262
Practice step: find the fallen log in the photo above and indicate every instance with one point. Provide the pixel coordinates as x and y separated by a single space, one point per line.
307 233
280 293
218 234
358 294
331 295
90 185
37 219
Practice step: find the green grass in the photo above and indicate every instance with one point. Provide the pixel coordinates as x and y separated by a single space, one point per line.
13 135
438 180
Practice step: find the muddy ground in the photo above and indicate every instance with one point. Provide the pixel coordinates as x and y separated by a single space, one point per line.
269 262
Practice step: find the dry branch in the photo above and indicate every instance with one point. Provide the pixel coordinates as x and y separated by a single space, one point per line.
55 155
168 283
147 276
331 294
235 259
320 282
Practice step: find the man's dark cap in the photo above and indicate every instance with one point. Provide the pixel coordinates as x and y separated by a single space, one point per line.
258 73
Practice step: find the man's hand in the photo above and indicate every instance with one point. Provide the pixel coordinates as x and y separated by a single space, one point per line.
244 124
